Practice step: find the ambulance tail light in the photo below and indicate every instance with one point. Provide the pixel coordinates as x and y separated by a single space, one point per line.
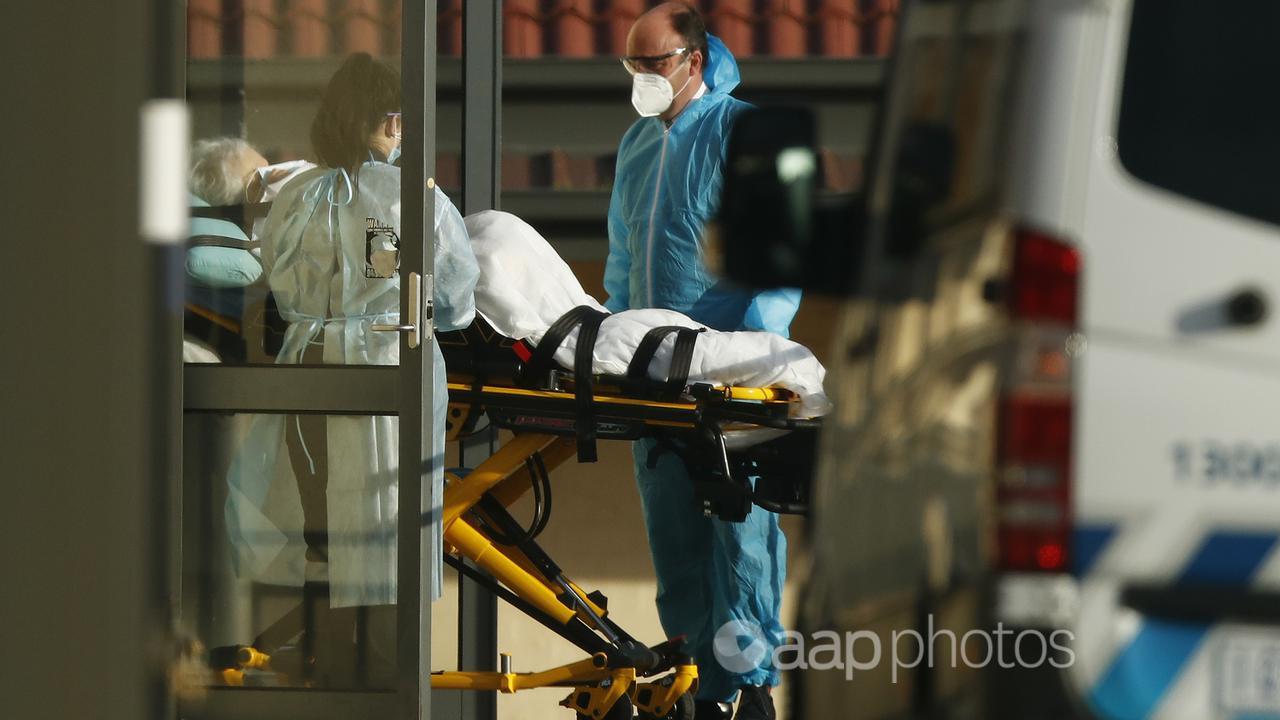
1033 446
1045 279
1033 490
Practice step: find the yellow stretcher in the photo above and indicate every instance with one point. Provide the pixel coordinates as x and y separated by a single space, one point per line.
554 415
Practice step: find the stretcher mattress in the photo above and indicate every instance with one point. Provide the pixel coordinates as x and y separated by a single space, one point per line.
525 287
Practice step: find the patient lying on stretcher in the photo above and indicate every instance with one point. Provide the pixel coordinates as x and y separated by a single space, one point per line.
525 287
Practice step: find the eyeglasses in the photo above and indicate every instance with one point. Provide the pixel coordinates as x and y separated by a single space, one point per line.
636 64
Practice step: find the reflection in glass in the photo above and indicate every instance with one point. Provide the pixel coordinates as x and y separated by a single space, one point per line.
290 520
285 544
256 71
331 243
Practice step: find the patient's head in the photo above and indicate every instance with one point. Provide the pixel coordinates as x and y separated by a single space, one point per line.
359 113
221 168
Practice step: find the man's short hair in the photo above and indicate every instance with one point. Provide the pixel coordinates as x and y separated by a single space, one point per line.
688 23
215 165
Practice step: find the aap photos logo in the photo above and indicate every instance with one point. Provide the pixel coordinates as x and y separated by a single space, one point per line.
740 646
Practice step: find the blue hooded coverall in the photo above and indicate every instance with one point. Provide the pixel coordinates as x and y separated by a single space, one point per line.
667 186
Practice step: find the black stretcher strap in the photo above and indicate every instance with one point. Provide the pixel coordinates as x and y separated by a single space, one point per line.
543 360
681 356
638 368
583 359
221 241
238 214
681 359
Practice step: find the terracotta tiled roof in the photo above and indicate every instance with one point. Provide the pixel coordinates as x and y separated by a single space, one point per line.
533 28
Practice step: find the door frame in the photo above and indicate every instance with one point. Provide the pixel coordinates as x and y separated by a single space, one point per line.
404 391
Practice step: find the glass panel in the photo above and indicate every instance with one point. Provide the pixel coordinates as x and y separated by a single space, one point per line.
293 126
289 526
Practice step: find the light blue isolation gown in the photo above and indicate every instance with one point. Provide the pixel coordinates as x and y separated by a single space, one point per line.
330 254
666 188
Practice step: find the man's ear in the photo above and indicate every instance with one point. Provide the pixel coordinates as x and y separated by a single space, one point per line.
697 61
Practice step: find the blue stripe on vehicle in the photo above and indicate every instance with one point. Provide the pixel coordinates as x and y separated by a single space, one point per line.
1142 672
1087 543
1229 558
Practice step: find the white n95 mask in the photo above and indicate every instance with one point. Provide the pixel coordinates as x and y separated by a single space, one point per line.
652 94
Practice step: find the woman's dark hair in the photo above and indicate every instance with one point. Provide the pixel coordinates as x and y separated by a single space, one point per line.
355 103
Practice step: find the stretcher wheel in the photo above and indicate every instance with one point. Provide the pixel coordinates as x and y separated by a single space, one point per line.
682 710
621 710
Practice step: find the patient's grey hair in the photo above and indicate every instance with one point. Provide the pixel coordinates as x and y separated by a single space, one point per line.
215 165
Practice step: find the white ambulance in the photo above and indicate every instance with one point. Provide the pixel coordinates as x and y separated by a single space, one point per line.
1147 156
1079 409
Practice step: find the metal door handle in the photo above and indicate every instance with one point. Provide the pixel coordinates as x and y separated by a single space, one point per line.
414 326
1247 306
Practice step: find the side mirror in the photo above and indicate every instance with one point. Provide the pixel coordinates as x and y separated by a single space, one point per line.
773 230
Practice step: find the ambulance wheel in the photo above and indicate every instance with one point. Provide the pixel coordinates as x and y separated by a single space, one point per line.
621 710
682 710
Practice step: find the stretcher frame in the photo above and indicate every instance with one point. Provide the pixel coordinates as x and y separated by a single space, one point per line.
529 579
524 576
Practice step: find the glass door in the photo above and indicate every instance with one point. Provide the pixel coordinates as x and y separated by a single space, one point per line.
311 463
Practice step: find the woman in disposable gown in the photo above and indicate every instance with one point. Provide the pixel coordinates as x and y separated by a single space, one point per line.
330 253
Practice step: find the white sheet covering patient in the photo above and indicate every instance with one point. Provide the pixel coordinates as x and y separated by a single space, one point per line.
525 286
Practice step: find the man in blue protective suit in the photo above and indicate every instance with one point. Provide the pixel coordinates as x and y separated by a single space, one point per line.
719 583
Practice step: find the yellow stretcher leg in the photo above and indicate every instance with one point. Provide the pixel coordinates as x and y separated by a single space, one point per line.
461 496
596 700
514 487
472 544
506 478
596 687
590 670
659 697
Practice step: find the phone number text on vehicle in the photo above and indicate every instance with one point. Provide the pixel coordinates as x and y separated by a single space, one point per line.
1213 462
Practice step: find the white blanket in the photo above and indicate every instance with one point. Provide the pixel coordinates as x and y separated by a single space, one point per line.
524 287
